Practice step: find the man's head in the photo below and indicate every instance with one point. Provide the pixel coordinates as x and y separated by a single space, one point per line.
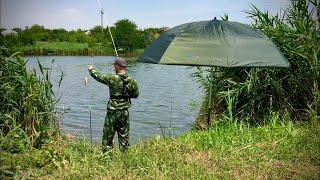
120 64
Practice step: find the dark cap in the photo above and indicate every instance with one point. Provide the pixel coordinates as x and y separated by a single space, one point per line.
120 61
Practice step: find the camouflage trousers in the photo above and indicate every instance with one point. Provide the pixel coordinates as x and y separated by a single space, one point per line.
116 121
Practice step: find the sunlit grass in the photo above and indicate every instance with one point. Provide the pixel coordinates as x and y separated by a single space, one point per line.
227 150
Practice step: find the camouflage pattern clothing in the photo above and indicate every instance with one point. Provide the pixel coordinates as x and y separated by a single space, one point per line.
115 88
117 118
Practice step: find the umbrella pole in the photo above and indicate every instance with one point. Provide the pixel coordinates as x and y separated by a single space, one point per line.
210 98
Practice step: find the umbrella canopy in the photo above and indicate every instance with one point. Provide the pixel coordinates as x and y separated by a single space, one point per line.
214 43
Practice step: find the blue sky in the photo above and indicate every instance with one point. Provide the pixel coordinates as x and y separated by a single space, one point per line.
73 14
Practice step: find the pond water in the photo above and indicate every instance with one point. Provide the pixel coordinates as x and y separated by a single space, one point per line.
166 93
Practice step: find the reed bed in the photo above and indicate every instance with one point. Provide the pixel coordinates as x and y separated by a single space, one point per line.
253 94
27 113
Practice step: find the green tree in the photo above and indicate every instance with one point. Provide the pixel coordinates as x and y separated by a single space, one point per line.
126 35
148 36
58 35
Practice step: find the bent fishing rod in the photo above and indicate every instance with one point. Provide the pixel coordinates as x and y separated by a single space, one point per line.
103 16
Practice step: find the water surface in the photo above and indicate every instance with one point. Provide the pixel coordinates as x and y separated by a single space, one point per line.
165 95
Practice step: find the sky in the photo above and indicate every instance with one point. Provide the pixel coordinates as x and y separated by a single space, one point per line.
85 14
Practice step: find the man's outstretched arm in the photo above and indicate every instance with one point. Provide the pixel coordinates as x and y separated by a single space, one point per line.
105 79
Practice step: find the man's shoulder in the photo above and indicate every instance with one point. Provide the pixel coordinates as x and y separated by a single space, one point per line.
114 78
125 76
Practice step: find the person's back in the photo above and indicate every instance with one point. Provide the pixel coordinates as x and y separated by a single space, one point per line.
122 87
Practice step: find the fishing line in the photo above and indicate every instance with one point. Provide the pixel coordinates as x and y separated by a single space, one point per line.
90 110
90 107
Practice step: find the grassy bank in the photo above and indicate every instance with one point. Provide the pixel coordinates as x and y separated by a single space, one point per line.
41 48
227 150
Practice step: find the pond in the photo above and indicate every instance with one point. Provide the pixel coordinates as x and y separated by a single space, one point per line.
166 95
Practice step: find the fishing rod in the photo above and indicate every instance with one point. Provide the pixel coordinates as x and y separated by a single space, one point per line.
116 52
109 29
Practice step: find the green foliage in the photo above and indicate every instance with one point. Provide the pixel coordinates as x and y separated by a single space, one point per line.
96 41
16 140
63 48
126 35
27 113
254 93
226 150
148 36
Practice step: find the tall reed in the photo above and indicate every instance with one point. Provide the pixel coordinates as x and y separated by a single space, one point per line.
256 93
27 114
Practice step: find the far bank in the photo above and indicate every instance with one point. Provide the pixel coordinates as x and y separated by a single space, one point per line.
41 48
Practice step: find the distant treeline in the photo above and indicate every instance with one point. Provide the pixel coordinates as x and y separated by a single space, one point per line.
38 40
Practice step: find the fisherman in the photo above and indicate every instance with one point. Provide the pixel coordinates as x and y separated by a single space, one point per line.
122 87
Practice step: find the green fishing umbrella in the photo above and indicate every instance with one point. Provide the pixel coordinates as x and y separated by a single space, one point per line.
214 43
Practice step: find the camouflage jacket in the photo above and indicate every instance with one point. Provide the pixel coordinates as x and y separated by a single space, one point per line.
115 84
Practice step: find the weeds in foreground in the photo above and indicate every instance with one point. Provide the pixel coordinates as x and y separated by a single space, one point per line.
279 150
27 114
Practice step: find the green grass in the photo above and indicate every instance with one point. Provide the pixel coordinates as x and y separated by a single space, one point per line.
274 151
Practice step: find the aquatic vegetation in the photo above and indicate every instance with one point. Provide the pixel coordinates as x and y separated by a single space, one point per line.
253 94
68 49
63 49
27 113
